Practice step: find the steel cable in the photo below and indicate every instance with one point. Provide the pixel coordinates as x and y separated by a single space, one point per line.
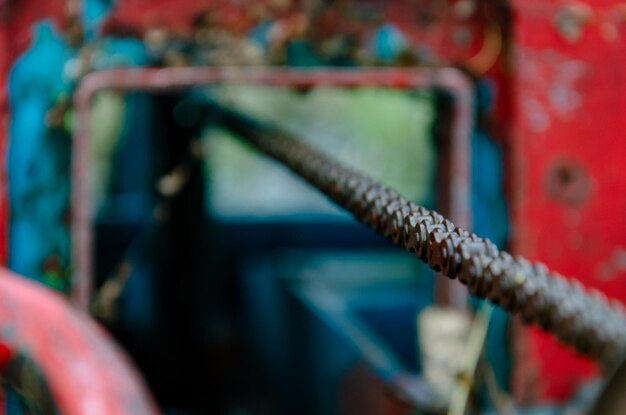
584 319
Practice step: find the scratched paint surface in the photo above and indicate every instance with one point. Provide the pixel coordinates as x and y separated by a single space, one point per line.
568 152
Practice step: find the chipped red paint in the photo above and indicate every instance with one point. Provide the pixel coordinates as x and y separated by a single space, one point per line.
86 372
568 164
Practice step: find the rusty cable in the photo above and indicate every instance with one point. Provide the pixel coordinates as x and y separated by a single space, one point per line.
582 318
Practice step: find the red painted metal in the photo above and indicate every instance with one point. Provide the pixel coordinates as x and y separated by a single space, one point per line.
568 152
450 79
86 372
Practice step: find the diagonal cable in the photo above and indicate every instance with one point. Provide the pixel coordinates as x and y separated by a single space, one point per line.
583 319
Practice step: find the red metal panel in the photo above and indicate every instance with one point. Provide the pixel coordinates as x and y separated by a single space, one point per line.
568 152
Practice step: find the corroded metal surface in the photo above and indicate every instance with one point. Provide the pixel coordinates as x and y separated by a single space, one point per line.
583 319
565 187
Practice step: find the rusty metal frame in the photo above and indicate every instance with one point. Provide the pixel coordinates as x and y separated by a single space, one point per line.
449 79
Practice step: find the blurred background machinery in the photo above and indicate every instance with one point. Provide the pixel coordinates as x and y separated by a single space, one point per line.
233 286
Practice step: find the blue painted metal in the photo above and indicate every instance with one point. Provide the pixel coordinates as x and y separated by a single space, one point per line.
39 156
39 182
94 14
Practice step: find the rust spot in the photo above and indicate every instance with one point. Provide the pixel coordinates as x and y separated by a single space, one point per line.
568 182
